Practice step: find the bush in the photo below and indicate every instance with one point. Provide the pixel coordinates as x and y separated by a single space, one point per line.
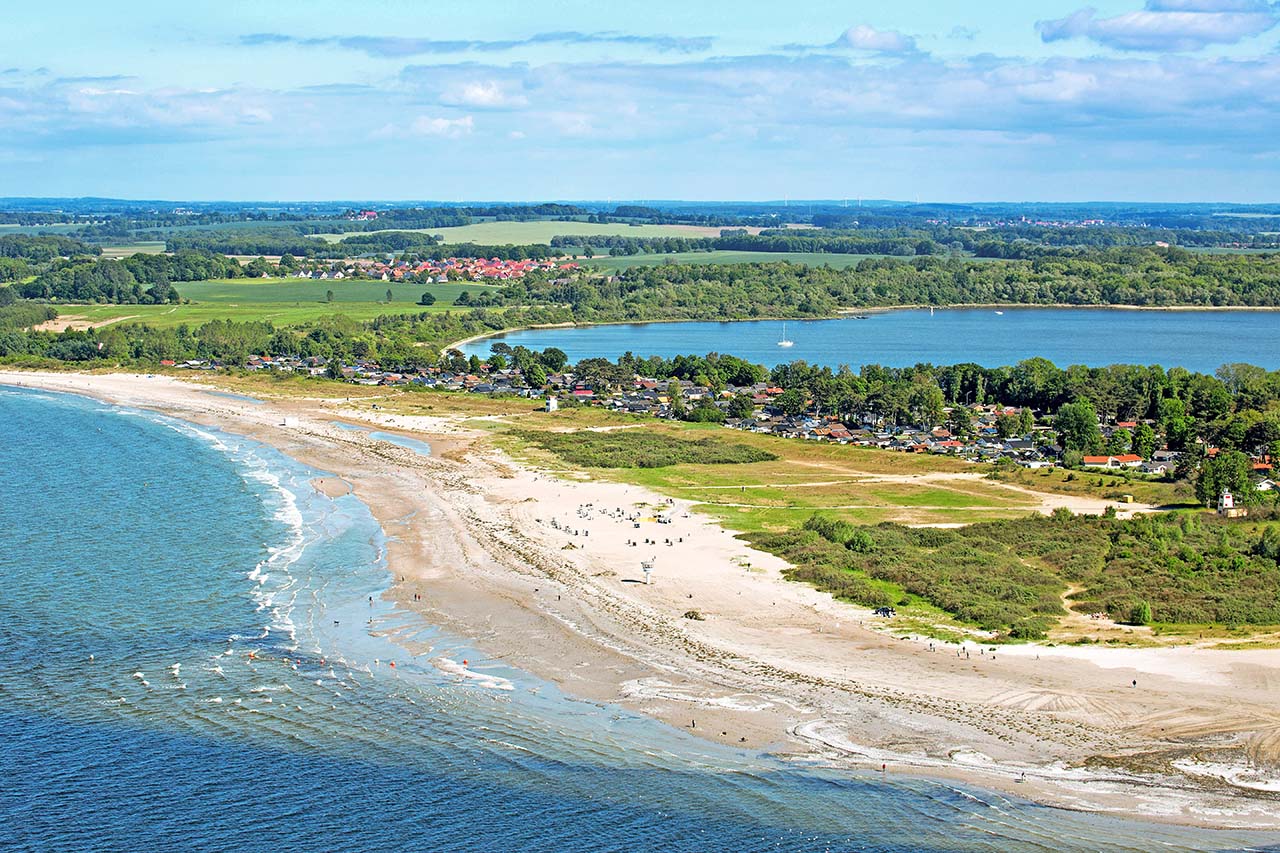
1031 629
641 449
1009 576
1140 614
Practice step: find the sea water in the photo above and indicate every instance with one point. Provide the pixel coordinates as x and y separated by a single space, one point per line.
195 654
1196 340
418 446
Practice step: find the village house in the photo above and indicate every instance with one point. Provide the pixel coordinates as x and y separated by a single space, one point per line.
1127 460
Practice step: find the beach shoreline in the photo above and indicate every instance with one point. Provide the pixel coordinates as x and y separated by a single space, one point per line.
538 571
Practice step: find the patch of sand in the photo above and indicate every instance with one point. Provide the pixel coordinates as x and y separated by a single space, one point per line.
77 322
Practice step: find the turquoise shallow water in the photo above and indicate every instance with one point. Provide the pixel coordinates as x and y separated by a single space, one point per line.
1196 340
189 659
417 446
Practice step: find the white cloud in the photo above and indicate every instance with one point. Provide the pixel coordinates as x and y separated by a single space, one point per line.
448 128
1169 102
571 123
452 127
866 37
1167 25
484 95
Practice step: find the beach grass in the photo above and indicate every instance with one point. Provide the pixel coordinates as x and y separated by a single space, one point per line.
1112 487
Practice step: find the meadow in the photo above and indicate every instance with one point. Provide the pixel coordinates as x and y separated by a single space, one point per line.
124 250
54 228
769 484
813 259
281 301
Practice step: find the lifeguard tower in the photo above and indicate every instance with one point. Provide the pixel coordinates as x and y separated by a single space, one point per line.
1227 506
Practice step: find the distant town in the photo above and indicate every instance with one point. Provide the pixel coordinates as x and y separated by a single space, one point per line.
430 271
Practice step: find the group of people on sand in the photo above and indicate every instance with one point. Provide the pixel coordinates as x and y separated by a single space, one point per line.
588 511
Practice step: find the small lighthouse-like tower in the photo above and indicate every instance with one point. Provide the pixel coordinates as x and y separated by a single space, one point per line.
1227 506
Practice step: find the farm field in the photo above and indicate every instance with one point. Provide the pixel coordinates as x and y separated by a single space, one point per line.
56 228
816 259
1226 250
124 250
541 231
246 225
280 301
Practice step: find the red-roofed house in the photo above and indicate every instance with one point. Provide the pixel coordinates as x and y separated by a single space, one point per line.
1126 460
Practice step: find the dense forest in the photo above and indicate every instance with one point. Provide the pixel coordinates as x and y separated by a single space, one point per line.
1148 277
138 279
258 241
42 248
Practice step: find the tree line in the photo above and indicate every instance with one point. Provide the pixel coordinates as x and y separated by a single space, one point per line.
1144 277
138 279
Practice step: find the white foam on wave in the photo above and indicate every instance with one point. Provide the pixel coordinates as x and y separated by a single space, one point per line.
284 580
280 557
275 586
480 679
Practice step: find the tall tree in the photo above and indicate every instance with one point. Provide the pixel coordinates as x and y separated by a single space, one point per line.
1231 471
1144 440
1077 426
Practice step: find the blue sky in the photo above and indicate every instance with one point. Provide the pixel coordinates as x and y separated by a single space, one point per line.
1174 100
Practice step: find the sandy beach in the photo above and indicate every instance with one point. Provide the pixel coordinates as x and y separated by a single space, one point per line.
546 574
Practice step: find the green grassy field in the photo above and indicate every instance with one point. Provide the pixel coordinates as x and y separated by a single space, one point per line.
281 301
1223 250
1098 484
853 484
817 259
248 225
541 231
56 228
124 250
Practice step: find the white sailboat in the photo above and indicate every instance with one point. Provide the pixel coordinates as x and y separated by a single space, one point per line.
785 342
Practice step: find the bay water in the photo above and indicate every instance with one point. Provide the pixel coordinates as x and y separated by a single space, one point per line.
1197 340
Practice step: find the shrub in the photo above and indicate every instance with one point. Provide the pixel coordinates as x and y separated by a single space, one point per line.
641 449
1140 614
